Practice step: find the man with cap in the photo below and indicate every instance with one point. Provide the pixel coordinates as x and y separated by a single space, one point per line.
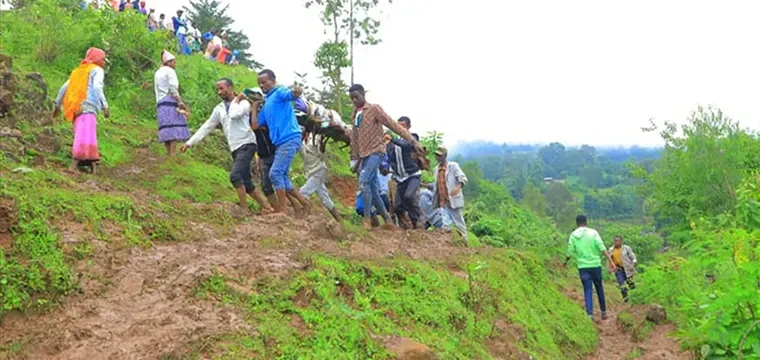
447 191
368 144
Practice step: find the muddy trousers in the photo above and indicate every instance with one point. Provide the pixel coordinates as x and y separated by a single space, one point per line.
592 277
624 283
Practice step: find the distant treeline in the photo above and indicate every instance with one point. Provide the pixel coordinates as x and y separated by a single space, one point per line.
473 150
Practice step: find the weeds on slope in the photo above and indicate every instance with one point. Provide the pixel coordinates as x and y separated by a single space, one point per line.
344 309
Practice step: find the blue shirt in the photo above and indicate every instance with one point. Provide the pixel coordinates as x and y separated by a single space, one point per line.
278 116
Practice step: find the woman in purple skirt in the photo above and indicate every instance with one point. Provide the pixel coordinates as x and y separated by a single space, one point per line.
171 112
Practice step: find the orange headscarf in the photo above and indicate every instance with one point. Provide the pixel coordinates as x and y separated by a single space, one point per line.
79 82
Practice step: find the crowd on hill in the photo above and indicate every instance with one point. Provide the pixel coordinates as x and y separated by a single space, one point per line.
260 126
213 43
261 123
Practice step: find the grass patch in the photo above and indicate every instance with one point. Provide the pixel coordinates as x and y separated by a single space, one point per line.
37 263
185 178
339 308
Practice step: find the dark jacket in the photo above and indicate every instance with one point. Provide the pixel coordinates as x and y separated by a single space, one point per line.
400 158
264 145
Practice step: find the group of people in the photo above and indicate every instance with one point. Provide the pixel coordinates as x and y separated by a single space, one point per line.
261 122
586 247
189 38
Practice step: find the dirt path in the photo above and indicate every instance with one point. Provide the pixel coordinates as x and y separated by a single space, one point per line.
138 303
617 344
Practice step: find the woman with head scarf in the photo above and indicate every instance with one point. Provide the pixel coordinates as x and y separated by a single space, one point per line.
82 98
172 122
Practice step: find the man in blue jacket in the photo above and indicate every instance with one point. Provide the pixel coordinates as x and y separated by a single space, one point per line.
407 173
278 116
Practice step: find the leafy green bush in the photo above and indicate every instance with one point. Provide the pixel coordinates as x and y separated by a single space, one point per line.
705 189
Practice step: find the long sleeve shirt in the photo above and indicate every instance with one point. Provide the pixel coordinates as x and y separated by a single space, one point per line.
586 246
314 160
278 116
368 135
234 118
166 83
96 97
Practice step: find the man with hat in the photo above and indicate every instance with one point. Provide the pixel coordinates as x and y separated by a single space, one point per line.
447 191
368 146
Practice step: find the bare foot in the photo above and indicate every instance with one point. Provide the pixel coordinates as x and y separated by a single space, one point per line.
389 226
267 211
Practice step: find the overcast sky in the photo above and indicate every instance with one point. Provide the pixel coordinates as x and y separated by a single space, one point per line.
534 71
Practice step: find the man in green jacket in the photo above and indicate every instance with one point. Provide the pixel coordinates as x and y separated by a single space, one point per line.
586 246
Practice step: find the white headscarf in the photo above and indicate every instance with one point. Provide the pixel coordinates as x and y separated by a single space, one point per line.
166 57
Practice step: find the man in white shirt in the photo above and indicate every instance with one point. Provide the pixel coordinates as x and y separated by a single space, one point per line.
233 113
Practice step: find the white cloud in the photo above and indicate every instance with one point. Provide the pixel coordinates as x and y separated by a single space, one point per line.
518 71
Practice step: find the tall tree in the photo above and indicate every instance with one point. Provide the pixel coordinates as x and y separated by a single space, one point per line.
331 58
554 157
352 19
211 14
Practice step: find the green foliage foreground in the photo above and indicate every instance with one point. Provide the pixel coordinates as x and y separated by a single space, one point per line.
343 309
705 193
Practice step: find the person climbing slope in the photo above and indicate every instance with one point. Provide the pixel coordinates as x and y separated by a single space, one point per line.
407 174
586 246
233 114
625 262
315 167
172 122
278 116
265 152
368 143
82 98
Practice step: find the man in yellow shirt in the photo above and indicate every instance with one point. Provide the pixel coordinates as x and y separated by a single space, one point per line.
625 264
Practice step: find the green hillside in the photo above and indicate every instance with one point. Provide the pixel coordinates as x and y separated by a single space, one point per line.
79 240
144 259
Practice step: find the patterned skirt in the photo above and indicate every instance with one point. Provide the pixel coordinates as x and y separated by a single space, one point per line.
172 125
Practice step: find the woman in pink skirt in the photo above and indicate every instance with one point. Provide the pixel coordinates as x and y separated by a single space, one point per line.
82 98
